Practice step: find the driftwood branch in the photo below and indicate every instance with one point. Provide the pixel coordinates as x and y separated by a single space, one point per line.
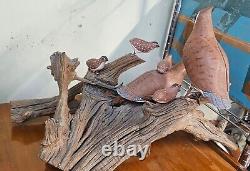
23 110
74 142
108 77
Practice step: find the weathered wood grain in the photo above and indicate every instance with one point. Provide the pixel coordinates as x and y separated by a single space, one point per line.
24 110
108 77
96 123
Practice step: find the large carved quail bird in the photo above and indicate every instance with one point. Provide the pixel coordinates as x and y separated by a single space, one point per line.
206 62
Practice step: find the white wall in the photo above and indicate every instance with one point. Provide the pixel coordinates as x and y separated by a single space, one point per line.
31 30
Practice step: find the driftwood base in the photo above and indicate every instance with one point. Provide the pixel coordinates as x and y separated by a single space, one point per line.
75 141
98 124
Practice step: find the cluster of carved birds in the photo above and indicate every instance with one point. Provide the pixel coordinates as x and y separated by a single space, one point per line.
204 61
161 85
139 45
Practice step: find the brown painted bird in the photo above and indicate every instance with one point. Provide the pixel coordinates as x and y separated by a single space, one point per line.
142 46
206 62
165 64
152 81
96 65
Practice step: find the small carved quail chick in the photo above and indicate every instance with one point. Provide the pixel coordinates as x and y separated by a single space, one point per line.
96 65
142 46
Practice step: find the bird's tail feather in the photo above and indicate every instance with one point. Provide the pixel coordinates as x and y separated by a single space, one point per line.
218 101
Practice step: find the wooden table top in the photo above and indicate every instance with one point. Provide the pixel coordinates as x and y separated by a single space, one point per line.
19 148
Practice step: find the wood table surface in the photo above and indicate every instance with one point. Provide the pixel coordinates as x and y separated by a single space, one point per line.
19 148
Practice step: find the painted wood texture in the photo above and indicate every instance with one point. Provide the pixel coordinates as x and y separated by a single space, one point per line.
231 32
177 152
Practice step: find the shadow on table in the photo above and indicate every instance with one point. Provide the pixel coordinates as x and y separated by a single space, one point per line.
50 168
27 134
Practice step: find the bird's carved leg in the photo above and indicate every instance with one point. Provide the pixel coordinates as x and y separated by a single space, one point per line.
134 51
97 72
93 71
189 90
222 123
197 96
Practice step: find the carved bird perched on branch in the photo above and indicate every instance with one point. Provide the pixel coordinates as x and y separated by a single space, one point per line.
161 87
206 62
143 46
96 65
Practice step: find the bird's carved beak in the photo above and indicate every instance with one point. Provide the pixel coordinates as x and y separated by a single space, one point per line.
156 44
105 58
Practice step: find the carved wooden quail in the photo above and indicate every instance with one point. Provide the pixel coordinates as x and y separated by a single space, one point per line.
206 62
150 82
96 65
143 46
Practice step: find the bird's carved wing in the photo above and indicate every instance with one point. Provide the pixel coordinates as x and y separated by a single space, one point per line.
207 66
225 59
93 63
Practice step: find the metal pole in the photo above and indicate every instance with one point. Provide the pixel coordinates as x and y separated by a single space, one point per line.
171 29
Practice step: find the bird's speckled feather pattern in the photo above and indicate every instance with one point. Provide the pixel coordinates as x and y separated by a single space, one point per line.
165 64
142 45
96 64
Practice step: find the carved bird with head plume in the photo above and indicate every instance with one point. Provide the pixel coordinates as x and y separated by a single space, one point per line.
142 46
206 62
160 87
